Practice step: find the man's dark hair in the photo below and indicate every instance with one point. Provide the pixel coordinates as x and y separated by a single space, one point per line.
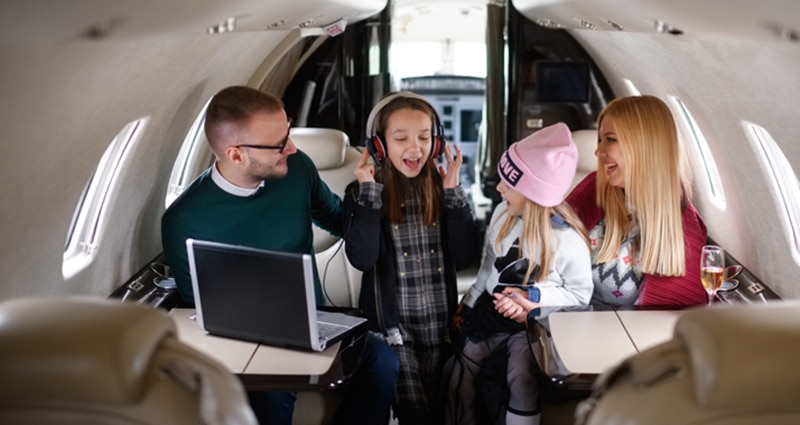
234 106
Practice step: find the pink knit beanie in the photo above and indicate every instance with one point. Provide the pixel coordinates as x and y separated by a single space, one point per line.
541 166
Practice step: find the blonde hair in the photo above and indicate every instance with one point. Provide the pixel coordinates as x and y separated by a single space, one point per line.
537 231
657 186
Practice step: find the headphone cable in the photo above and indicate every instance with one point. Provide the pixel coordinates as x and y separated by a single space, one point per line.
325 273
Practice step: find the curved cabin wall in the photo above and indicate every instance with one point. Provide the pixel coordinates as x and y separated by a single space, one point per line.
64 104
739 80
67 90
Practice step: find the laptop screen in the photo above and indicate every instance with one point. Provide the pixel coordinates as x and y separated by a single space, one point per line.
253 294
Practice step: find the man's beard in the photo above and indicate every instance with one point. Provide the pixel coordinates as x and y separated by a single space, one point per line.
266 173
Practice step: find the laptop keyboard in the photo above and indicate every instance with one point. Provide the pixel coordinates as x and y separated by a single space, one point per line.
328 330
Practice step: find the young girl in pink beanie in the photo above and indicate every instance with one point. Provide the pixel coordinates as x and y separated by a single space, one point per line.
536 248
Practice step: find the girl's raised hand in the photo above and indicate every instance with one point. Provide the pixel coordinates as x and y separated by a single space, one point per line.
450 177
365 170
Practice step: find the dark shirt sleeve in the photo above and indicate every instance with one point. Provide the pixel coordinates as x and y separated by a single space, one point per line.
173 239
326 207
362 226
462 231
369 194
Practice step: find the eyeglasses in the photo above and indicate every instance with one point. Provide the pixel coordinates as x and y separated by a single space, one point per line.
279 148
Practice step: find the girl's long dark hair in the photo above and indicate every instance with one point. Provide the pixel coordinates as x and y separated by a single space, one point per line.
396 185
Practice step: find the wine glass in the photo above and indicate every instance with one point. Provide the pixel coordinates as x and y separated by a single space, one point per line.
712 270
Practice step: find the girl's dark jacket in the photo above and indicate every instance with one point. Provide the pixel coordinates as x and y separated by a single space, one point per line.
369 248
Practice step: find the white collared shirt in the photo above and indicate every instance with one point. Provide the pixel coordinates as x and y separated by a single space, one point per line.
231 188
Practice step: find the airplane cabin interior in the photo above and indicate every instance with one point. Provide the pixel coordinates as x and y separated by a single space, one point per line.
102 113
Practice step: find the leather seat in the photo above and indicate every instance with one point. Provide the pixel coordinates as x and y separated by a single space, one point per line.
95 361
336 160
586 142
731 365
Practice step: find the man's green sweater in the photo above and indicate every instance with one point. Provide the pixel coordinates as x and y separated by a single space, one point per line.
277 217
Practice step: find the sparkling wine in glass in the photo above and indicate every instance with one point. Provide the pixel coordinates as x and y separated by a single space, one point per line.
712 270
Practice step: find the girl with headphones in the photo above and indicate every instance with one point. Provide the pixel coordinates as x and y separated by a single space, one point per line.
407 227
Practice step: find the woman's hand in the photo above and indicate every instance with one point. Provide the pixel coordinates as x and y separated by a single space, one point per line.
450 176
365 170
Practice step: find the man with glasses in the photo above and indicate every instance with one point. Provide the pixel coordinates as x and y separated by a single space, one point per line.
262 192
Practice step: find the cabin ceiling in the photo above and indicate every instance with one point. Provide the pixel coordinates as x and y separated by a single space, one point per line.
439 20
464 20
41 21
25 21
762 19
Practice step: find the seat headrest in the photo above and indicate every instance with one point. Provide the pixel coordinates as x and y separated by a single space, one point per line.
586 142
67 341
743 357
71 361
325 146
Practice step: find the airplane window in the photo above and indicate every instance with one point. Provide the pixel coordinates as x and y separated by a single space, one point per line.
630 87
709 166
410 58
193 157
89 219
782 177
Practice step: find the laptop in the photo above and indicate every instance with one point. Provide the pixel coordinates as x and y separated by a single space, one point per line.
262 296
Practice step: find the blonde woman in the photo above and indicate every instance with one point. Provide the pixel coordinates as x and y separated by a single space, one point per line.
646 234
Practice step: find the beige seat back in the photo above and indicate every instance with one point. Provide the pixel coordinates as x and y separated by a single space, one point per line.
733 365
94 361
586 141
335 160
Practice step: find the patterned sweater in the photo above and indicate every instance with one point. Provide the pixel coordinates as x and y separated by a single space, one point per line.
683 290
